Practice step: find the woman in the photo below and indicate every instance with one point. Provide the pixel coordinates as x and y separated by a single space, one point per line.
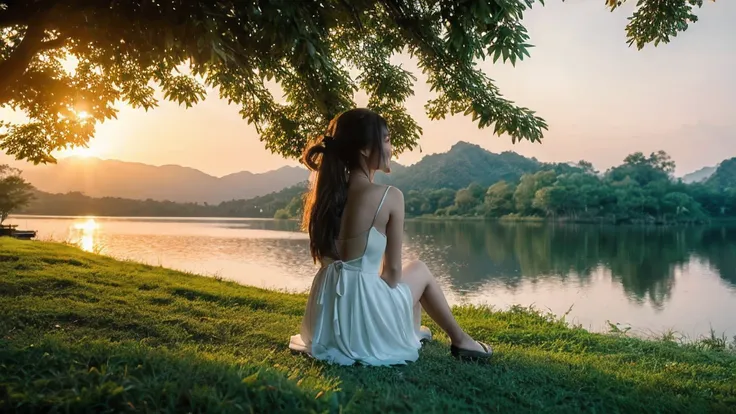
364 306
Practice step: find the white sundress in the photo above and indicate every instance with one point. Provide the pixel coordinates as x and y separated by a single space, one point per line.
354 316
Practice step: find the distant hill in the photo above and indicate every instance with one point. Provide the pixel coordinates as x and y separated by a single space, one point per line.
724 178
699 175
437 177
116 188
463 164
111 178
78 204
265 205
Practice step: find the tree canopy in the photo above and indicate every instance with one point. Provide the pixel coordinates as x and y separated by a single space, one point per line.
640 190
15 192
66 64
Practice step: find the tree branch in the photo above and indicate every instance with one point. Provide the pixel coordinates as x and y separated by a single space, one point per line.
8 19
14 66
16 13
53 43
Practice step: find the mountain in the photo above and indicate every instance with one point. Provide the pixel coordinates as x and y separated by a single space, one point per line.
264 183
463 164
110 178
78 204
699 175
437 177
724 178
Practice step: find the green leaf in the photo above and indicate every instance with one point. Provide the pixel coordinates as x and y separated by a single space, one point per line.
306 49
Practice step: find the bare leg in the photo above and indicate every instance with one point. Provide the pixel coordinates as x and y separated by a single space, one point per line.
426 291
417 316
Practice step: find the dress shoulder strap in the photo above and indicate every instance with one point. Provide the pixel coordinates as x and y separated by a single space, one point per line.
378 210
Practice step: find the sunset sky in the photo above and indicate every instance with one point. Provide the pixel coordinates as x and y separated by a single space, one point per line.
601 99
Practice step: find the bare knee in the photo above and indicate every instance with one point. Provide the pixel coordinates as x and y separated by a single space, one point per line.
419 270
416 266
417 276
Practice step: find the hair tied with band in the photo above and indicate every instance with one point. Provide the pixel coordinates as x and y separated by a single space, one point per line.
328 140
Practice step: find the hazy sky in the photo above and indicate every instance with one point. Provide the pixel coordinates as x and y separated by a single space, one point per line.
601 99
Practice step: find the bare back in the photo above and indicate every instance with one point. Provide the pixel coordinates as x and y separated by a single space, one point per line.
363 211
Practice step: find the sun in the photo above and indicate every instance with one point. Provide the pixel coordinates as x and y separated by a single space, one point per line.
78 152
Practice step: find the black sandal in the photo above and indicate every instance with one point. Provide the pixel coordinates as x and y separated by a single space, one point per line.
472 355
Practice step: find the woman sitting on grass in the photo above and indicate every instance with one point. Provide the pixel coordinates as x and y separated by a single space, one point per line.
364 306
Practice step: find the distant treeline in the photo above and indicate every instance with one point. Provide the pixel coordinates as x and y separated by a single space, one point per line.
640 190
75 204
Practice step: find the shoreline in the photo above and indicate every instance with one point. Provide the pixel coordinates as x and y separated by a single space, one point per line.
476 219
82 330
626 329
603 324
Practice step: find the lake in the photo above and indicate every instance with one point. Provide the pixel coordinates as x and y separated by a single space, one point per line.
650 279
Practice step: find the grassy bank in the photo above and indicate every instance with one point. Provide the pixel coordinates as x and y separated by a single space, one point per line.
80 332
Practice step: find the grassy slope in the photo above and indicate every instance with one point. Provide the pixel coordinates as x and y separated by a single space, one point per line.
85 332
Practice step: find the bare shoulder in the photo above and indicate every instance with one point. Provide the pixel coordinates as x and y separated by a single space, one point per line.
395 193
395 197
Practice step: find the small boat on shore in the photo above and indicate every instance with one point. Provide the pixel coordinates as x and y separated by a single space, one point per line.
12 231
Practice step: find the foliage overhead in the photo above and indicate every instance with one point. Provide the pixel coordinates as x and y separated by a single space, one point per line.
65 64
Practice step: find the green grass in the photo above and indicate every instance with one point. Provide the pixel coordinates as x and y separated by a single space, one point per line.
86 333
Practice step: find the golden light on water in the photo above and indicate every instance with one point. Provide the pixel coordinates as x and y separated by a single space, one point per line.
89 225
83 234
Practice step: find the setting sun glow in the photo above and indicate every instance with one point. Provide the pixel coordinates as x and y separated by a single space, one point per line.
87 226
83 234
81 152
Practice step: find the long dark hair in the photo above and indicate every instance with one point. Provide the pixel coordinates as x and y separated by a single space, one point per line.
332 157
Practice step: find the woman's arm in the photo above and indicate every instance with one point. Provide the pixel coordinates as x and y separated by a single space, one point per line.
394 234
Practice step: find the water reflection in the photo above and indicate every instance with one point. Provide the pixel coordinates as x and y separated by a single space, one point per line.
718 248
654 278
83 234
275 225
643 260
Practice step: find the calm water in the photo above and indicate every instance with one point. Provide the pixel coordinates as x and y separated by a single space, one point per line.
651 279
